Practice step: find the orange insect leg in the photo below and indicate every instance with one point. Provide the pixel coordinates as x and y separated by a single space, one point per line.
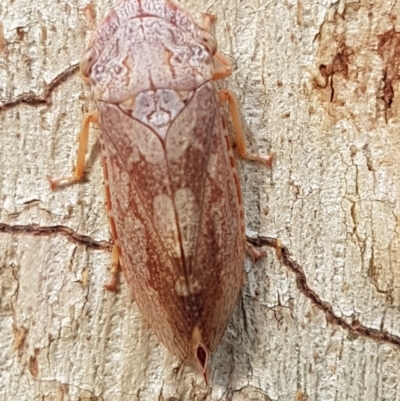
225 69
112 284
90 15
226 96
77 176
80 160
207 20
254 252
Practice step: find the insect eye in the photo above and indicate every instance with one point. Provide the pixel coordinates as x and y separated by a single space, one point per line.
88 59
207 39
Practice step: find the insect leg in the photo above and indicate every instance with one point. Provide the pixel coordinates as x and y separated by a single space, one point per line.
207 20
90 15
83 137
225 69
80 160
226 96
254 252
112 284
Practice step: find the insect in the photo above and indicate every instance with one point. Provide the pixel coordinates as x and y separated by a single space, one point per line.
173 195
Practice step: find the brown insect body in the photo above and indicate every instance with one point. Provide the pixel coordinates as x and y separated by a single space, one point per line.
174 198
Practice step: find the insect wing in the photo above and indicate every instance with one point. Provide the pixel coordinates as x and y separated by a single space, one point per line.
208 206
174 204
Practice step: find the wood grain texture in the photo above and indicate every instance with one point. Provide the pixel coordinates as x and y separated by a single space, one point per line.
316 84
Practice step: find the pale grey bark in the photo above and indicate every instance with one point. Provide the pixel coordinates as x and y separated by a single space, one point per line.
313 79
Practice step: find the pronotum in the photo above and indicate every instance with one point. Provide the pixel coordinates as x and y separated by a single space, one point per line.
173 195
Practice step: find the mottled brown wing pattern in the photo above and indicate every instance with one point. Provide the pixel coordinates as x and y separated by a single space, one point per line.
221 241
148 266
209 213
159 241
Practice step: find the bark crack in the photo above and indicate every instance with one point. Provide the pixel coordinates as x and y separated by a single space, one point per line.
355 327
32 99
72 236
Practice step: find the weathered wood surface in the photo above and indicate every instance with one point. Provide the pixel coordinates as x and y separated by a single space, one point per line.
318 84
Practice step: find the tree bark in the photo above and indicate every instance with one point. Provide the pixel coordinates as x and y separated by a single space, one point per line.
318 85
